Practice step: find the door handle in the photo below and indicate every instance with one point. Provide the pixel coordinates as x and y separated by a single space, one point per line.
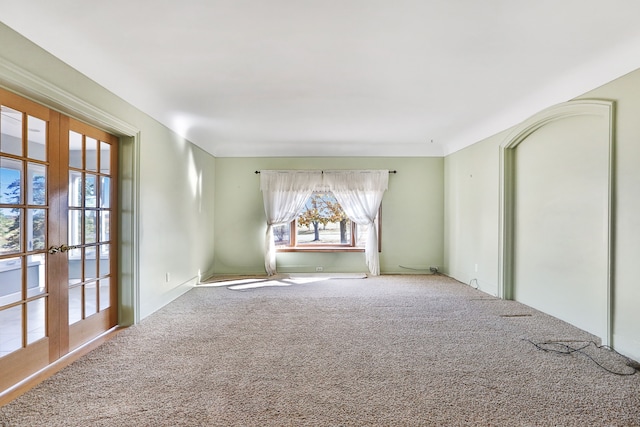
65 248
62 248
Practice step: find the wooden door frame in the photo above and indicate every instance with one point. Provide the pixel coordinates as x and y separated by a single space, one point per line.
28 85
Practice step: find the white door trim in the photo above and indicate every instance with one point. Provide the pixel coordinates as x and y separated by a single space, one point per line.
601 108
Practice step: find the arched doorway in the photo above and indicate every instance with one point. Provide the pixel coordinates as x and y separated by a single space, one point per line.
556 201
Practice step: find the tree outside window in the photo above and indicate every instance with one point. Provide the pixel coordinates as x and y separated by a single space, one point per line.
322 224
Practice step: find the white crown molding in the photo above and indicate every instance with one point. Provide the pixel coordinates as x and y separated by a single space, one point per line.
15 78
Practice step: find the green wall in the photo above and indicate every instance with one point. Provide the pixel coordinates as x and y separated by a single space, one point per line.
471 214
472 184
412 216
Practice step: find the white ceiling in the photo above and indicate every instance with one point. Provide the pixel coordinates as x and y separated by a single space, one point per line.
338 77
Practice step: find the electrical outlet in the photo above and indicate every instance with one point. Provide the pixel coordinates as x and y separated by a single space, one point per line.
434 270
319 268
167 277
476 268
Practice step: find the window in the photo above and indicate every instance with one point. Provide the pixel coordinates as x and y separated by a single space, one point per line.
322 226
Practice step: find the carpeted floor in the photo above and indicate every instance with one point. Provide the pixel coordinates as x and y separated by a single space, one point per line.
384 351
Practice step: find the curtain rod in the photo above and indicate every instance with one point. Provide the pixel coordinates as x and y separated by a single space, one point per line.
391 171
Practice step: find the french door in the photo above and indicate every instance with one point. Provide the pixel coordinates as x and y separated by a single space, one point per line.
58 256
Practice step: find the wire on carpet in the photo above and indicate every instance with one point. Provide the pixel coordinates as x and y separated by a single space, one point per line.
413 268
567 349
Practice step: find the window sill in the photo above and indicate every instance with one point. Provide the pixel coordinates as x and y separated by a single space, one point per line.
319 249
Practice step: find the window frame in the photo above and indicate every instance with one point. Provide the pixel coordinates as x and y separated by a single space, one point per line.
293 246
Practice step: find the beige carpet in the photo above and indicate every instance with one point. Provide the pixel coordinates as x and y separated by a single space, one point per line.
385 351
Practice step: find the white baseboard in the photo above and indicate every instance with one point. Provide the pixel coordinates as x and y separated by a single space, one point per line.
627 346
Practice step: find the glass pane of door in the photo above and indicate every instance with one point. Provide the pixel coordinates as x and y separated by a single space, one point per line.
10 280
91 154
36 321
10 131
10 180
37 138
105 294
75 150
11 221
11 333
36 184
75 304
36 279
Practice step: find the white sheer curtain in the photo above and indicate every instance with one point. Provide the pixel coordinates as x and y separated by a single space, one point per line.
284 194
360 194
